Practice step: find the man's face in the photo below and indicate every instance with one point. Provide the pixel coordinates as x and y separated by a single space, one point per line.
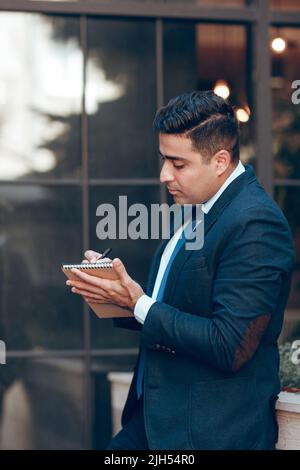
188 179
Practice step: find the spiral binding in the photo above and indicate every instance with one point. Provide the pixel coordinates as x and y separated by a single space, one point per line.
105 264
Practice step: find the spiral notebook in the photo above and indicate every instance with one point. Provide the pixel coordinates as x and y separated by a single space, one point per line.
104 270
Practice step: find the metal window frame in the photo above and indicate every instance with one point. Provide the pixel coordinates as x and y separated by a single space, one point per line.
135 9
72 353
256 17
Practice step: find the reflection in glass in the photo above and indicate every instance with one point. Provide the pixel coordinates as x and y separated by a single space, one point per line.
286 5
201 57
288 199
135 254
42 404
40 96
54 0
212 3
225 3
40 229
286 112
121 98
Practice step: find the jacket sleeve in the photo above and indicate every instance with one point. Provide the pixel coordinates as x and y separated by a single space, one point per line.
129 323
257 256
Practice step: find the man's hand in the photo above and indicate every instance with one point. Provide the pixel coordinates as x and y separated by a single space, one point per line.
123 291
92 257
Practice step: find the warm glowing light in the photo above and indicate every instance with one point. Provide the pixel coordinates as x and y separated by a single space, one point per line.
243 114
221 88
278 45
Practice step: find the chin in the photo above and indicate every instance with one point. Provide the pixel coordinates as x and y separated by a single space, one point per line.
181 200
178 200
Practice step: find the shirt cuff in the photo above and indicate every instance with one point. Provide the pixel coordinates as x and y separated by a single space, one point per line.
142 308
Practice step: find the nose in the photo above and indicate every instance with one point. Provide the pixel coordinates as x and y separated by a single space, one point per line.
166 174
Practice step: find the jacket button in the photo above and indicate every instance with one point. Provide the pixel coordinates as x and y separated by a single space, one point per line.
157 346
173 352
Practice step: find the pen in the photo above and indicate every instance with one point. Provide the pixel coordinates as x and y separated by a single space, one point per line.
105 253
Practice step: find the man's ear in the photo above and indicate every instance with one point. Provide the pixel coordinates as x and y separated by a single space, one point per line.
222 161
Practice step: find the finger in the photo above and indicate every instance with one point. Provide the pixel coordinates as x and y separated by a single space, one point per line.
87 287
93 301
102 259
85 293
106 260
121 271
90 279
92 256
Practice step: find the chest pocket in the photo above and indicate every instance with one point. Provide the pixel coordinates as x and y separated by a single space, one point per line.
194 263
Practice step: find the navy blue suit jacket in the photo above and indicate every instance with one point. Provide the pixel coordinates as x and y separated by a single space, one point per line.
211 369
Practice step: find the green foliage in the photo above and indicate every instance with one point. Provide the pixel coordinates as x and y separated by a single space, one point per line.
289 372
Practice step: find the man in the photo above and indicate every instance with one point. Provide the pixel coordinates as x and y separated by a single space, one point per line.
207 375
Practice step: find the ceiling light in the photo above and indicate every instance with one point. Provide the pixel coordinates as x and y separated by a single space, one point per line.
278 45
243 114
221 88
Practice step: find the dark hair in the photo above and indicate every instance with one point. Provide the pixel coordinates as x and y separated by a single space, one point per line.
206 118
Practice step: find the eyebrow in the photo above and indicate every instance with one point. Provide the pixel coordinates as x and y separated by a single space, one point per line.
170 157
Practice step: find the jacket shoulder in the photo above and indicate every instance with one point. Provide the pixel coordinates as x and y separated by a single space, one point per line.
254 203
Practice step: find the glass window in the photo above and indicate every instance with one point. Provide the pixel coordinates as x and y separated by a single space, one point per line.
40 229
42 404
135 254
208 56
121 98
213 2
53 0
219 3
285 5
288 199
285 47
40 96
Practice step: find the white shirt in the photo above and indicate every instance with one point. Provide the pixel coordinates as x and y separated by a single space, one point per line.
144 303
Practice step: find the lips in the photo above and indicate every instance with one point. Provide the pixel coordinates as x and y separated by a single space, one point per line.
172 191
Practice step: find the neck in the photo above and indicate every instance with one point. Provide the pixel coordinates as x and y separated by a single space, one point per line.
228 172
221 180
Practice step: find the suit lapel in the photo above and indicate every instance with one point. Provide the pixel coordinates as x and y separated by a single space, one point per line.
182 256
156 262
155 266
209 220
179 260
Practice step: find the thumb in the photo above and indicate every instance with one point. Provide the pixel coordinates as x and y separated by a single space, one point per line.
92 256
120 269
